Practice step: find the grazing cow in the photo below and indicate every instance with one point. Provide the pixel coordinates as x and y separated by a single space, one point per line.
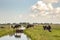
16 26
47 27
2 27
30 25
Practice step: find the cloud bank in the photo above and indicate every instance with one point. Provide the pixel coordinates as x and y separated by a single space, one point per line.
47 10
42 11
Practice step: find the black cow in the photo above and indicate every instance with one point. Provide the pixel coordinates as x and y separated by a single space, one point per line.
16 26
19 31
30 25
47 27
2 27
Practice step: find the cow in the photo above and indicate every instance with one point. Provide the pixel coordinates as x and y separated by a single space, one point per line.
2 27
16 26
30 25
19 31
47 27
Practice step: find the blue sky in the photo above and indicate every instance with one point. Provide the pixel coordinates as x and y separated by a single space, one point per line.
16 5
10 8
12 11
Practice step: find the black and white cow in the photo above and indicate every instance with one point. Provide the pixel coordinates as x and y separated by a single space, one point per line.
16 26
30 25
47 27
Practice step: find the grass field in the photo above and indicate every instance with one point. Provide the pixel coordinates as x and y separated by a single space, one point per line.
37 33
5 31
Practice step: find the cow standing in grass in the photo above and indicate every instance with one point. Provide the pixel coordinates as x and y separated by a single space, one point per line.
30 25
16 26
47 27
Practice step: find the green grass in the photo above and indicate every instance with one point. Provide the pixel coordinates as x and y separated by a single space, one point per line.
37 33
5 31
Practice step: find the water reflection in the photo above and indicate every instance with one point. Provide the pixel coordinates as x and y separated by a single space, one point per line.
18 35
15 36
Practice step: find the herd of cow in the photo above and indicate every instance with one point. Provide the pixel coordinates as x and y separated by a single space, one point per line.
45 27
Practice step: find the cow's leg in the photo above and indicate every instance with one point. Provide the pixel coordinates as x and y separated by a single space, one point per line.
44 27
49 30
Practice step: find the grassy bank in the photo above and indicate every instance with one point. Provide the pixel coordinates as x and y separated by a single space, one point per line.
37 33
6 31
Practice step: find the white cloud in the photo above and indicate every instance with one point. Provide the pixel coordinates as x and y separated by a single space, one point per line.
46 9
51 1
40 5
49 5
57 10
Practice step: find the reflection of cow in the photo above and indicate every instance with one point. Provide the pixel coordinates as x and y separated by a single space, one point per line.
19 31
16 26
47 27
17 36
30 25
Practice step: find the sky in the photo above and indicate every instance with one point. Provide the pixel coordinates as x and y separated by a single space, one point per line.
40 11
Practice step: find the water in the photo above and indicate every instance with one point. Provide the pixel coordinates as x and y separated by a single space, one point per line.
19 35
16 36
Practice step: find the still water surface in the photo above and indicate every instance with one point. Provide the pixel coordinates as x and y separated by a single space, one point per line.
16 36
